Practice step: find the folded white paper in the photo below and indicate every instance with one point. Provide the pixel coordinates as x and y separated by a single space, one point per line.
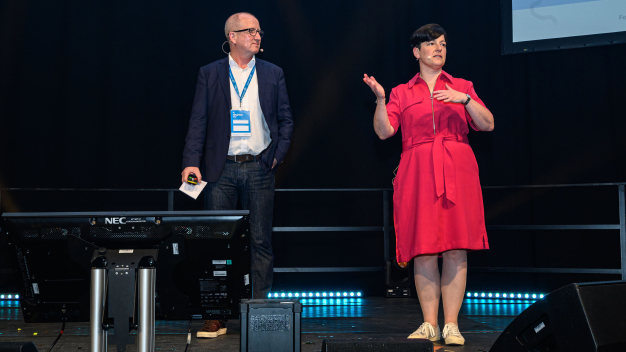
192 190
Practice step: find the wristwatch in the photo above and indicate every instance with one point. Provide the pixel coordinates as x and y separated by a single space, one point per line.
468 99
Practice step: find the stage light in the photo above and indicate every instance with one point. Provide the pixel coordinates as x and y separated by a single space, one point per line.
10 296
313 294
17 296
1 296
521 295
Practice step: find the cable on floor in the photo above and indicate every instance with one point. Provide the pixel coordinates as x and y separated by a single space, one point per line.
64 318
188 336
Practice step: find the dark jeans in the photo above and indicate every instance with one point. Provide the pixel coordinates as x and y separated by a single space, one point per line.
255 189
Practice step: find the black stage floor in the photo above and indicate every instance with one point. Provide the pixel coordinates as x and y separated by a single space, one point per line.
481 321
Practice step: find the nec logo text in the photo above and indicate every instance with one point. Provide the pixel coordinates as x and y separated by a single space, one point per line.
115 221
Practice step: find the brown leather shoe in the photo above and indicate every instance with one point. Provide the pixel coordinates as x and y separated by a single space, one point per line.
212 329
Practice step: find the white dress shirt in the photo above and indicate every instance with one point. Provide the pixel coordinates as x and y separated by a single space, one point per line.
260 138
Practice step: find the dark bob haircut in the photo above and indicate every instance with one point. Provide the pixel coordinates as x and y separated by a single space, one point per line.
427 33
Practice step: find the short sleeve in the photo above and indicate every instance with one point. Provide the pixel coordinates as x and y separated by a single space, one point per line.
393 111
474 97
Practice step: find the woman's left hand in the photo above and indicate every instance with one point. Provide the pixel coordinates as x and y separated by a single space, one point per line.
450 95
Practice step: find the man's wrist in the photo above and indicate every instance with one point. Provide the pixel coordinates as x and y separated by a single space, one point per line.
380 100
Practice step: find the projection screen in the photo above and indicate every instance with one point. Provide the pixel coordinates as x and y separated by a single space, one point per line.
535 25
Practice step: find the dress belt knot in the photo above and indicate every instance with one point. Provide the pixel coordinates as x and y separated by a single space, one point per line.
445 178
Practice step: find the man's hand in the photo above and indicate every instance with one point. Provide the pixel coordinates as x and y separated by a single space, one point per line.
191 170
274 163
450 95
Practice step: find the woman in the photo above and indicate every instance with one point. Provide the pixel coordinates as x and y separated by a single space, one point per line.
438 206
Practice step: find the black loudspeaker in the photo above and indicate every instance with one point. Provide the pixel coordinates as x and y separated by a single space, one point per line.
576 317
270 325
375 345
17 347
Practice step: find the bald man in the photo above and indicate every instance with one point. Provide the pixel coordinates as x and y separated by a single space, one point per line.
239 132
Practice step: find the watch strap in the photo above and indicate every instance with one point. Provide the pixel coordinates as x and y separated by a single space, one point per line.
468 99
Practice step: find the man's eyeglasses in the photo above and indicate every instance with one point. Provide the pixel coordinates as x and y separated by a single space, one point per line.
252 31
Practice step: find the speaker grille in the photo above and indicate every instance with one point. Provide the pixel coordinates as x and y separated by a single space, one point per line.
274 322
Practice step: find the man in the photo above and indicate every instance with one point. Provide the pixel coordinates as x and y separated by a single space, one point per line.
239 131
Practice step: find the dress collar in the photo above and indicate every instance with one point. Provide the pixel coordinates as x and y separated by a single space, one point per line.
443 75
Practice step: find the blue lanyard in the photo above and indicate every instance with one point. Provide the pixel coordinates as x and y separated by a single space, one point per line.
245 88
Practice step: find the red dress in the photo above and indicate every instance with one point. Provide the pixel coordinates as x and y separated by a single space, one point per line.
438 202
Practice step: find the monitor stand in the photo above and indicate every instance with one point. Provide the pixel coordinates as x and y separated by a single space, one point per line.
122 279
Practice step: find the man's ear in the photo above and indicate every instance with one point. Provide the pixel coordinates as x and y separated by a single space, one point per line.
416 52
231 37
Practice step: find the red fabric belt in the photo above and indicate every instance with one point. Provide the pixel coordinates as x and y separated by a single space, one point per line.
445 178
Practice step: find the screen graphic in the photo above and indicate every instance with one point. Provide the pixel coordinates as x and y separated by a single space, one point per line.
551 19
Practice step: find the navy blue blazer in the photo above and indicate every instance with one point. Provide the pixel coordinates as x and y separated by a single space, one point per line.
208 136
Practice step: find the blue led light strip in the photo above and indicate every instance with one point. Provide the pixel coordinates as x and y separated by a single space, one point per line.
315 294
505 295
9 296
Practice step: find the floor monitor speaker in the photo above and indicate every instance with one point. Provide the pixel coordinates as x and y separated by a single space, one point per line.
377 345
576 317
17 347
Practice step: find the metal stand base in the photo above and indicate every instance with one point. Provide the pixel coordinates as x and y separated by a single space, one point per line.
145 298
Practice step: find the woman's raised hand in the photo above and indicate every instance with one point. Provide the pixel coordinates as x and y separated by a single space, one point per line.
375 86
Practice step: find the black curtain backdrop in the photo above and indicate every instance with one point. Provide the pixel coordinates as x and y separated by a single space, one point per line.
98 95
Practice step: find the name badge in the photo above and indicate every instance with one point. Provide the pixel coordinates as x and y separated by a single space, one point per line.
240 123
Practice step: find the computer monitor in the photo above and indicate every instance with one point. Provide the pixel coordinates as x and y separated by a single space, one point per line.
202 269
